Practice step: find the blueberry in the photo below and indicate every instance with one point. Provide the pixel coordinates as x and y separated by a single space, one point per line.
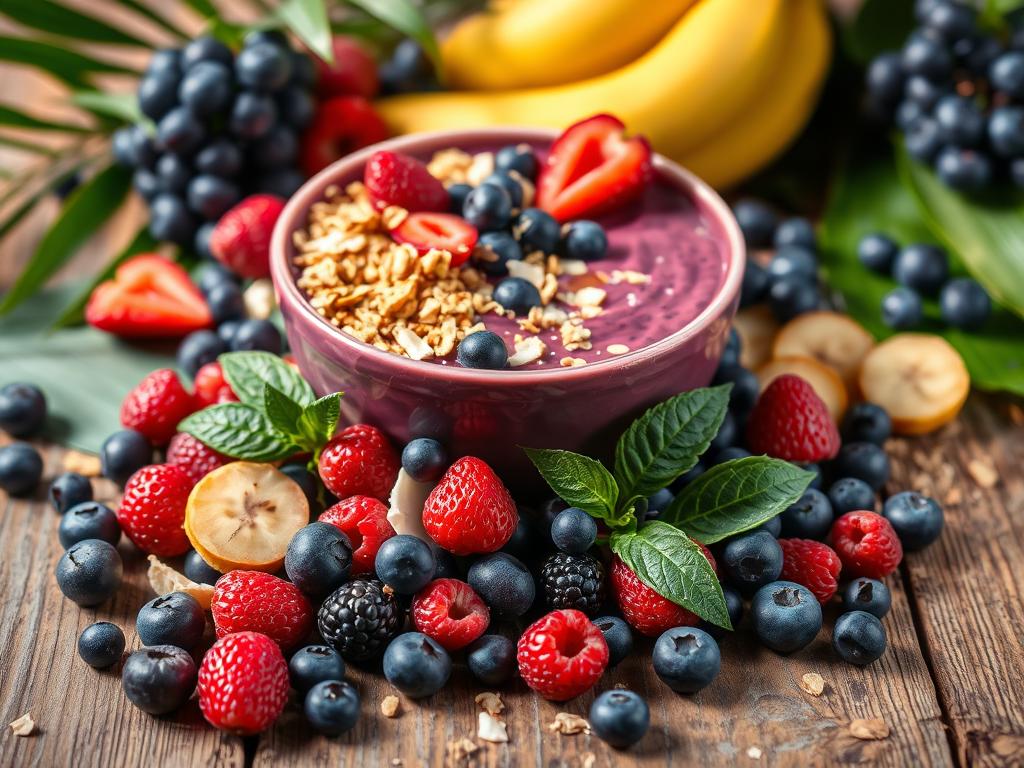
732 453
584 240
68 490
88 520
488 207
123 454
172 173
1006 74
199 348
492 659
494 250
619 637
122 147
277 149
206 48
620 718
865 461
771 526
146 184
424 459
172 619
201 241
917 519
921 267
143 148
519 158
858 638
180 131
923 92
1006 131
796 231
757 222
22 409
817 481
786 616
211 274
689 476
258 335
517 295
445 566
504 583
902 309
907 113
1017 172
159 679
507 182
164 60
850 494
416 665
305 480
659 501
728 434
573 531
457 194
405 563
21 468
226 302
686 659
483 349
751 560
924 55
809 518
952 20
733 350
220 158
263 67
537 230
332 707
884 79
283 182
101 644
210 196
406 69
227 330
960 120
169 219
198 570
745 386
318 559
271 36
965 304
89 572
793 262
755 284
979 53
866 423
868 595
252 115
206 88
314 664
923 139
964 169
877 252
523 538
790 298
158 94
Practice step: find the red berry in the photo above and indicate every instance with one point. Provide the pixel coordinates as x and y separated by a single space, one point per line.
449 611
444 231
241 239
365 521
253 601
562 655
152 509
470 511
243 683
644 609
866 544
211 387
359 461
392 178
811 564
353 72
341 125
791 422
196 459
156 405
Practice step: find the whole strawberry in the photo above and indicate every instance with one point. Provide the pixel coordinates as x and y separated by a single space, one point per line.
450 612
365 521
359 461
211 387
470 511
156 405
791 422
562 655
152 509
258 602
241 239
644 609
196 459
811 564
392 178
243 683
867 545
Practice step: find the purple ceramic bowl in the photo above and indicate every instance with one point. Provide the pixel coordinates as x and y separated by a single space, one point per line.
491 413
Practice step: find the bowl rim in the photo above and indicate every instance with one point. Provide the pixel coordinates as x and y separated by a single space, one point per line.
686 181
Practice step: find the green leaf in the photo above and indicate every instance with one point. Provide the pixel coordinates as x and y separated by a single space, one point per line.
319 419
666 441
736 496
15 119
880 25
247 372
578 480
63 63
282 411
60 19
144 10
86 210
308 20
27 146
123 106
237 430
204 8
673 565
407 19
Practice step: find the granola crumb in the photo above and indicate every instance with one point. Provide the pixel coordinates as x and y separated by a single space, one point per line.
983 473
389 706
490 703
527 351
572 362
569 724
489 728
617 349
396 761
24 725
754 753
813 683
460 749
85 464
869 729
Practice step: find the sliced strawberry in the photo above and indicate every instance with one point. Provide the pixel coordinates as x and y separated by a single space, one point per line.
149 297
392 178
446 231
341 125
591 168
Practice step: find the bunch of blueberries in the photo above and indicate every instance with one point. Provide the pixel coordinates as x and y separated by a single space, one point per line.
226 126
956 91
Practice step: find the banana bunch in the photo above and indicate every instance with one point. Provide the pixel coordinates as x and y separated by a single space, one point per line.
720 86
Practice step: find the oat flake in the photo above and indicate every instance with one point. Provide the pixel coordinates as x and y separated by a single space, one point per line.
24 725
813 683
389 706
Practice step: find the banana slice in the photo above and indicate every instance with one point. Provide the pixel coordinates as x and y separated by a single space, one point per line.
243 515
918 378
757 327
824 380
164 580
832 338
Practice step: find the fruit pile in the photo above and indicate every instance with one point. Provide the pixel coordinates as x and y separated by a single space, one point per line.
956 91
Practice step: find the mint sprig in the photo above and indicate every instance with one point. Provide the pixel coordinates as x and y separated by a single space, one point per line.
579 480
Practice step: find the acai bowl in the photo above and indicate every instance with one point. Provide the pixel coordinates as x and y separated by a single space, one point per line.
654 308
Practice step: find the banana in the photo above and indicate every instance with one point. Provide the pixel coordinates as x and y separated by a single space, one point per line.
832 338
535 43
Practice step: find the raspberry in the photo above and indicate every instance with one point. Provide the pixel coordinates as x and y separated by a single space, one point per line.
811 564
791 422
470 511
253 601
392 178
341 125
152 510
365 522
450 612
241 239
196 459
359 619
573 581
359 461
211 387
243 683
562 654
866 544
156 405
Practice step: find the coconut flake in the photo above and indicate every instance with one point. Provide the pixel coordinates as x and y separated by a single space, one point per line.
532 273
490 728
406 506
414 346
529 349
24 725
164 580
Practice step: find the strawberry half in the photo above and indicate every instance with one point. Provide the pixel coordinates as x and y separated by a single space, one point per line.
425 231
591 168
341 125
392 178
149 297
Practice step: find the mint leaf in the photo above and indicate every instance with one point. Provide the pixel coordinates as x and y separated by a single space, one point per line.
239 431
247 372
673 565
578 480
282 411
736 496
668 439
319 419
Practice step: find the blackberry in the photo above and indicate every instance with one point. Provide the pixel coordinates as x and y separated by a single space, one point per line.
573 581
359 619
